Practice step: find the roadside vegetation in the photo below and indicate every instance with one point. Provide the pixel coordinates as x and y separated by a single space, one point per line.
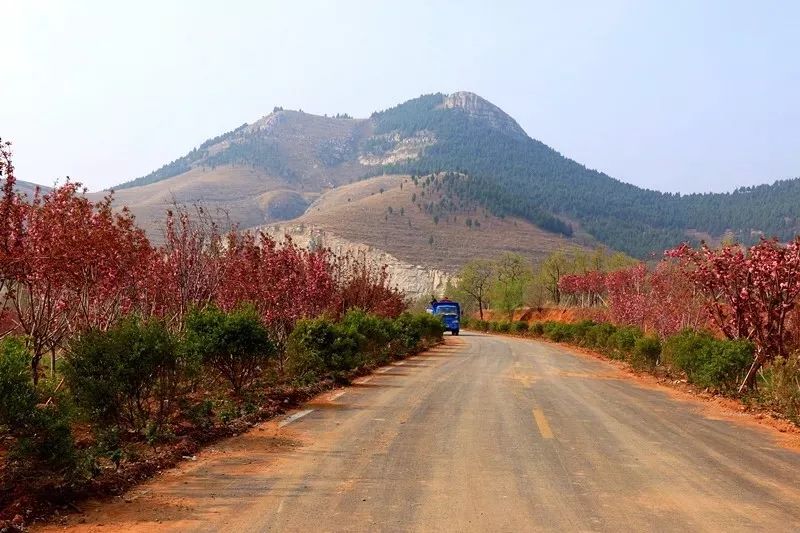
118 356
725 319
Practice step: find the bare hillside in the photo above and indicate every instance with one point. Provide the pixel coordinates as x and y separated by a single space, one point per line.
250 196
26 188
383 212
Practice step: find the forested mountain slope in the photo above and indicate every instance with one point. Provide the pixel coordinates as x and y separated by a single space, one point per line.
515 174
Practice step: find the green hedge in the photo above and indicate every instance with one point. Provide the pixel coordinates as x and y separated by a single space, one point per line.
520 326
646 352
126 378
706 361
320 347
235 344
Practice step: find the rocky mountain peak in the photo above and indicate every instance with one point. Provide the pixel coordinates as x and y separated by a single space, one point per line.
482 109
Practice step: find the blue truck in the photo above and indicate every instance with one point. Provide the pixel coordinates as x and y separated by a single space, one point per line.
449 311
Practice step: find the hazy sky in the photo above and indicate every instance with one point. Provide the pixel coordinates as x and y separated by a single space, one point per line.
675 95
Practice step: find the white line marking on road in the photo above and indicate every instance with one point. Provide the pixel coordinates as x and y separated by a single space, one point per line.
296 416
383 370
400 363
337 394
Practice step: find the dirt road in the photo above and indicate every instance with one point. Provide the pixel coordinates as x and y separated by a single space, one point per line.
481 434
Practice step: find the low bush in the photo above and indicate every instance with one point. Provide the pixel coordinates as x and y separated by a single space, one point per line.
375 334
39 428
503 326
320 347
536 329
127 376
235 344
707 361
417 330
680 351
623 340
17 395
646 352
727 365
580 331
780 386
558 331
431 328
520 326
598 335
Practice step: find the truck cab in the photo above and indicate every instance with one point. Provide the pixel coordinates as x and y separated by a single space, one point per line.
450 313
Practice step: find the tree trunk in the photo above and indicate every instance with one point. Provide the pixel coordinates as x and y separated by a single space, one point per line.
750 378
480 309
53 362
35 368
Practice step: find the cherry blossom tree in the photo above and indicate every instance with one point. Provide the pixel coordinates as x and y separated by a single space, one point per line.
749 293
186 271
11 224
284 282
661 299
365 285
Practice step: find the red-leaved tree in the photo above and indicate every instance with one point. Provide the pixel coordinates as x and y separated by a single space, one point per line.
748 293
585 290
11 224
187 270
74 265
283 281
68 265
661 300
367 286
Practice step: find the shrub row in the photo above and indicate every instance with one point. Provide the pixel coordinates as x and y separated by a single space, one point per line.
138 382
705 360
319 347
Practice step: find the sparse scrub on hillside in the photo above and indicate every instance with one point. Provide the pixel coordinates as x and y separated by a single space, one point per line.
503 171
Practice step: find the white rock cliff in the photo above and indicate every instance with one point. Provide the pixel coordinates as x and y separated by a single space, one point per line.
416 281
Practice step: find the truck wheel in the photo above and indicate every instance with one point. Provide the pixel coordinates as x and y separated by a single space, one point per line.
455 332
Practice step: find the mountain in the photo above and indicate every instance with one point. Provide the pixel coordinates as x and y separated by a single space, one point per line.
27 188
475 161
